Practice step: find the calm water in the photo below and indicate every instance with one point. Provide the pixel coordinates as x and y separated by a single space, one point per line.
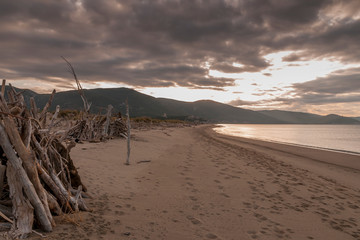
345 138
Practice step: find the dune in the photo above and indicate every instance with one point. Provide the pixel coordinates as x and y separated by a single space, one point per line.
192 183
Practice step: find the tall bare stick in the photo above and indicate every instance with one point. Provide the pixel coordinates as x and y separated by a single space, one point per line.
45 109
107 123
87 105
3 87
128 132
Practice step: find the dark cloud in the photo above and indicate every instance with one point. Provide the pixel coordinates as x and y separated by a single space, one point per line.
314 99
292 58
239 102
339 87
279 15
170 42
339 82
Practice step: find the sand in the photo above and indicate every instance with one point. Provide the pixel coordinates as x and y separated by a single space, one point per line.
192 183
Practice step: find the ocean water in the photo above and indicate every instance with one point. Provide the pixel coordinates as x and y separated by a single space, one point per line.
343 138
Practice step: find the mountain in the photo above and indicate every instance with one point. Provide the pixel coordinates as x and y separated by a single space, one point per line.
356 118
145 105
215 112
308 118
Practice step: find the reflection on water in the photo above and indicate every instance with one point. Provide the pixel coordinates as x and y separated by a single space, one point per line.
336 137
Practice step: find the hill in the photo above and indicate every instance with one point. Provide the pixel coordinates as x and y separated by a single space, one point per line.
145 105
356 118
308 118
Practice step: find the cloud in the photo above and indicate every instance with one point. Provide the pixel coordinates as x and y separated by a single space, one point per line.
339 91
161 43
239 102
338 87
337 83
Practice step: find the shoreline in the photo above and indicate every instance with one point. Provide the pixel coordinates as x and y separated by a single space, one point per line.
193 183
331 156
351 152
320 161
298 145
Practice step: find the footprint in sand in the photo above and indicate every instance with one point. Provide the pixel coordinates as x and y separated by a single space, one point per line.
193 198
195 207
193 220
224 195
253 234
211 236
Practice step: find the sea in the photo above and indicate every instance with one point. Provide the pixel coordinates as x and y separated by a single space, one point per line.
340 138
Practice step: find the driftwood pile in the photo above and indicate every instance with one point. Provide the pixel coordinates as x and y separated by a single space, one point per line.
37 176
95 128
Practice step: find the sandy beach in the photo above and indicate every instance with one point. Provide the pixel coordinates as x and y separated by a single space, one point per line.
192 183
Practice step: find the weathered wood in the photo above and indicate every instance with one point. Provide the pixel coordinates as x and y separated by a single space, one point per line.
7 211
83 194
22 175
128 133
3 105
11 97
34 152
87 105
2 176
54 117
34 109
6 202
3 87
26 133
70 198
42 117
28 160
42 153
107 123
54 205
74 174
59 165
77 197
5 226
12 93
22 209
63 198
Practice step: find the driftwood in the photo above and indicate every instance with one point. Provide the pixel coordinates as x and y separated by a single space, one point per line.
2 177
87 105
93 128
107 122
41 179
96 128
40 175
128 133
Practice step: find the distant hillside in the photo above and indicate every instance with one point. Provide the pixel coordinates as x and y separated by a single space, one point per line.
308 118
145 105
215 112
356 118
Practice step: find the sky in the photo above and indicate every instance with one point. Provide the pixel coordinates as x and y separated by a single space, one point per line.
295 55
